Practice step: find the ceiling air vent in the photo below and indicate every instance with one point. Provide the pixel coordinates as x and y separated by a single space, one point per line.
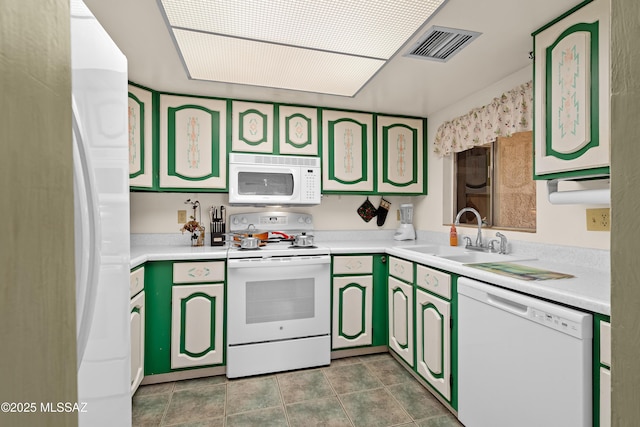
441 43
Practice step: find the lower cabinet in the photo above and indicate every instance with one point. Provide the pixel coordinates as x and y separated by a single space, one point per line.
196 325
184 315
602 371
137 327
421 323
359 301
401 319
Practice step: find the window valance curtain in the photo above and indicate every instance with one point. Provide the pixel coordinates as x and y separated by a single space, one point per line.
504 116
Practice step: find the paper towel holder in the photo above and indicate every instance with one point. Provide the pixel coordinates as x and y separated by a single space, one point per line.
579 197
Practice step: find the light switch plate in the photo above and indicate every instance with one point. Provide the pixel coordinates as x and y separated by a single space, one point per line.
599 219
182 217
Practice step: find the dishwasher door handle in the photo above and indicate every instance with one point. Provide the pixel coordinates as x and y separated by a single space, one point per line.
507 304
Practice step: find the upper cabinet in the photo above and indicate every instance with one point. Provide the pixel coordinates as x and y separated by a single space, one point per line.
193 143
572 117
347 152
252 127
140 112
400 155
298 130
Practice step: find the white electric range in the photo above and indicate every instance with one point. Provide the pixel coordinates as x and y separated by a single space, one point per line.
278 298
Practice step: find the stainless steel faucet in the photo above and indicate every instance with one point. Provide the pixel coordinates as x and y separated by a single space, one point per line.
479 219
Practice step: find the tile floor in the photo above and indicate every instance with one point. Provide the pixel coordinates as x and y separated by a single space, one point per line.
364 391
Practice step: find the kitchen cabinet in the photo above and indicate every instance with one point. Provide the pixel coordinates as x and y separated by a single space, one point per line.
602 371
297 130
401 318
347 152
252 127
359 301
193 143
140 116
434 328
571 72
184 315
401 155
197 308
352 301
136 287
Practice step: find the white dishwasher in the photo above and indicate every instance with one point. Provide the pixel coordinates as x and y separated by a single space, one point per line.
522 361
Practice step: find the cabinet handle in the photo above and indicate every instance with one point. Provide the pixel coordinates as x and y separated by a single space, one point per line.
383 259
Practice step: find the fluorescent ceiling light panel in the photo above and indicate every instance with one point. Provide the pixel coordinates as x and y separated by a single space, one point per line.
232 60
366 29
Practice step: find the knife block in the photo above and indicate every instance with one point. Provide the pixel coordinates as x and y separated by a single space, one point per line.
218 230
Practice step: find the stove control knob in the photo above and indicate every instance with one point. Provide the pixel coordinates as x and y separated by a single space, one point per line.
300 219
244 220
308 220
236 221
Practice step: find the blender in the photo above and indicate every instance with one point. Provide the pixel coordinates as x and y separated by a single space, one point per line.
406 230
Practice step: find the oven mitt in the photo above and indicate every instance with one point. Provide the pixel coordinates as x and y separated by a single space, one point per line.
367 210
383 210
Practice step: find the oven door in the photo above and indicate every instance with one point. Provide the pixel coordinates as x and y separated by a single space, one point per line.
251 184
277 298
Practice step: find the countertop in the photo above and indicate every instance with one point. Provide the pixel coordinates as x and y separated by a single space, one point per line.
589 290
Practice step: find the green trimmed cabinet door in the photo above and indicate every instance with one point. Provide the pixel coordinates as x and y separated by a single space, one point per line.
433 341
571 72
401 319
197 325
193 143
347 152
400 155
252 127
140 113
352 311
298 130
136 307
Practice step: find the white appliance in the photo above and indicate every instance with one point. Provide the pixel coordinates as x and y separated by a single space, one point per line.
101 195
521 361
405 231
279 299
258 179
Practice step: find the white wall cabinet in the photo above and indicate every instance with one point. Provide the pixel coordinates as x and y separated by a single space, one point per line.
252 127
140 117
400 144
136 287
572 120
347 152
298 130
193 143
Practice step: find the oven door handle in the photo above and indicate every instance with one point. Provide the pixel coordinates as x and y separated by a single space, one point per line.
297 261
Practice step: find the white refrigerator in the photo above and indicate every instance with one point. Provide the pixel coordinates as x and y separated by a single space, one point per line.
101 193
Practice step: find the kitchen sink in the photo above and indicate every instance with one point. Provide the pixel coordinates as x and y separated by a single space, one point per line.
434 250
481 257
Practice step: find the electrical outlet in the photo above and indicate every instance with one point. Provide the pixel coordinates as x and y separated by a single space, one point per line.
599 219
397 214
182 217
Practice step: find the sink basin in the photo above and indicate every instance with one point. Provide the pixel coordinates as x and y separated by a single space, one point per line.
434 250
481 257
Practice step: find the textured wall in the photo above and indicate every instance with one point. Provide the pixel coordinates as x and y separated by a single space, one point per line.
625 211
37 289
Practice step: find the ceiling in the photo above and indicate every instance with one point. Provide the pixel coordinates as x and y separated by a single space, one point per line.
403 86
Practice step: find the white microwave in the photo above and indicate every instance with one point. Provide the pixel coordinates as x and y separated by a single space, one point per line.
259 179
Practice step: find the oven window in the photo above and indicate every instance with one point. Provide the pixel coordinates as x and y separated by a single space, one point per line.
278 300
265 184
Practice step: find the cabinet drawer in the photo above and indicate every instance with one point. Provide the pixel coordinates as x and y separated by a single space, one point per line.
136 281
353 264
198 272
434 281
401 269
605 343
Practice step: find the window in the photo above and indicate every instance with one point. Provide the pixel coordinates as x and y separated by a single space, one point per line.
497 180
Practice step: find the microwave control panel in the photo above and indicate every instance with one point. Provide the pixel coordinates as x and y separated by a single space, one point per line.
310 178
